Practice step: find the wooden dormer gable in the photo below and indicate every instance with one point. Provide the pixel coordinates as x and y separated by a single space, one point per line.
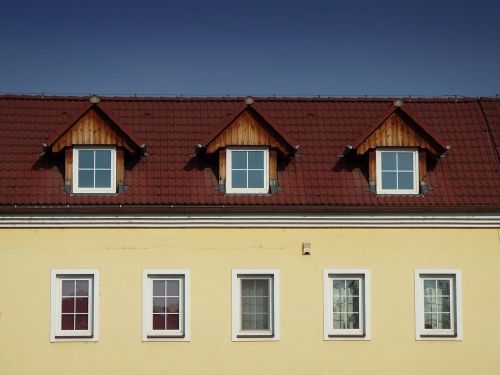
249 127
94 127
399 128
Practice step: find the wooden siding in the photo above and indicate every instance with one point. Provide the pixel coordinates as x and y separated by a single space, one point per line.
91 129
68 164
120 167
273 165
395 132
222 164
246 130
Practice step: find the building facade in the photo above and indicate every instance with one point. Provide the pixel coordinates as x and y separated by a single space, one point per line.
242 235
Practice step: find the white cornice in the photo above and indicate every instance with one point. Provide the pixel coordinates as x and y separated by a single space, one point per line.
449 220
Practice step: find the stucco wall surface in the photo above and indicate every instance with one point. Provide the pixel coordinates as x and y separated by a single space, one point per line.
392 255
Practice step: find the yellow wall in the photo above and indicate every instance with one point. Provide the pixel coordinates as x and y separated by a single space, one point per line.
28 255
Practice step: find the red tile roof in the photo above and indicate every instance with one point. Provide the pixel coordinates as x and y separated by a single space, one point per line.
172 176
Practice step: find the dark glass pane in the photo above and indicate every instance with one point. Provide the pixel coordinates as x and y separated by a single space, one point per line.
352 287
443 288
428 321
247 287
255 159
429 287
102 179
443 304
353 321
248 305
159 305
173 321
262 304
352 304
388 161
68 288
405 180
173 305
239 179
82 288
255 179
85 159
159 321
247 321
67 322
173 287
261 287
405 161
445 321
103 159
239 159
68 305
158 288
389 180
81 321
82 305
262 321
85 179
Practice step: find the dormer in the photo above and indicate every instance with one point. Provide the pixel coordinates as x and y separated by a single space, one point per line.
399 147
248 147
95 148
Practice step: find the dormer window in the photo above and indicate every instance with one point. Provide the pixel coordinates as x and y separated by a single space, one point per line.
94 170
247 171
397 171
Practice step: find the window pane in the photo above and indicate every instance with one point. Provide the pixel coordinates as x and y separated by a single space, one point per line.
389 180
85 179
159 305
430 304
102 179
352 304
68 305
173 321
256 159
67 322
248 321
337 321
443 304
82 288
262 304
261 287
255 179
405 180
339 304
353 321
443 288
81 321
405 161
247 287
173 288
158 288
103 159
173 305
445 322
248 305
262 321
68 288
428 320
85 159
353 287
429 287
239 179
82 305
239 159
388 161
159 321
338 287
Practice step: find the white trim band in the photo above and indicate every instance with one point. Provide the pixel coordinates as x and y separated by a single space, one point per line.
278 220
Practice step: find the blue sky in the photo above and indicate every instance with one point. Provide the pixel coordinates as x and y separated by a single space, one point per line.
252 47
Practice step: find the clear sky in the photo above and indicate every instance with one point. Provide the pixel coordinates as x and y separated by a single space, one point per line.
252 47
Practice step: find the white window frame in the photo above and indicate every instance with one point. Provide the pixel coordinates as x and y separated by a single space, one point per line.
59 274
183 334
274 332
364 333
107 190
455 301
229 188
416 179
